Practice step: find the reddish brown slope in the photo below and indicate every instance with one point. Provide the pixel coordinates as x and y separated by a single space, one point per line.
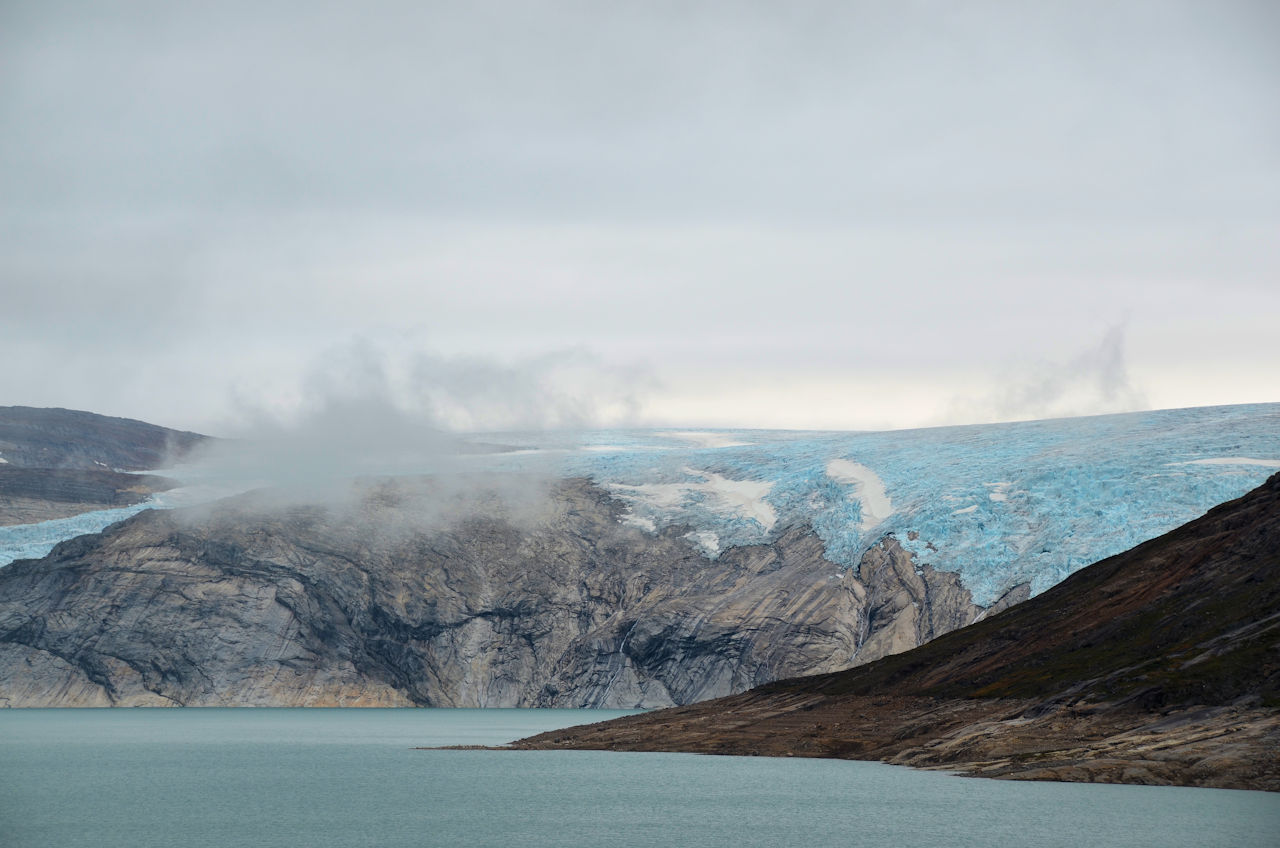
1161 665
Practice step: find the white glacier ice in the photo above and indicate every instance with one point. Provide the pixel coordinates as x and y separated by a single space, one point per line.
704 438
1001 504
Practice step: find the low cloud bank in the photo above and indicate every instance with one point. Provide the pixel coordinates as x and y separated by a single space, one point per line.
366 412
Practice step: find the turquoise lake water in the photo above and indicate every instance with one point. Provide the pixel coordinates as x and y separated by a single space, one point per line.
315 778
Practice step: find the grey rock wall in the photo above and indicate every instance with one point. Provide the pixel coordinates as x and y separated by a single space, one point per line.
554 603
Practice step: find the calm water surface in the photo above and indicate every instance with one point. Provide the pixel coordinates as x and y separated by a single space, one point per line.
315 778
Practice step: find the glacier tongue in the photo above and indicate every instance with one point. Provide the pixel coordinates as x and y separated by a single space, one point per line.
31 541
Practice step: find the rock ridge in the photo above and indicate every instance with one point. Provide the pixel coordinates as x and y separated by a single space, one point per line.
554 603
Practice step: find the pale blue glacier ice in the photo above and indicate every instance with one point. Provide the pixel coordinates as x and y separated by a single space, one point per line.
32 541
1001 504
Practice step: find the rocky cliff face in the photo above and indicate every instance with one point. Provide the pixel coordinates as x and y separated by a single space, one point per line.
552 601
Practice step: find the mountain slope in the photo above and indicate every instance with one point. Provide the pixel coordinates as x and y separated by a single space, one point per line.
1160 664
65 438
675 567
58 463
29 495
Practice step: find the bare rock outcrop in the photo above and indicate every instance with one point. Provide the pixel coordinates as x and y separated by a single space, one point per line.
555 602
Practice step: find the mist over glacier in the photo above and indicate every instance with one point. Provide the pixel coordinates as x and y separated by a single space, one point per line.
1001 504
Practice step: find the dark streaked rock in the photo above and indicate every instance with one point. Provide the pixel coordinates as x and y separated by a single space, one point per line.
518 601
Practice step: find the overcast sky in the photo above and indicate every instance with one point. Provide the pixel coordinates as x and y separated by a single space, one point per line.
809 215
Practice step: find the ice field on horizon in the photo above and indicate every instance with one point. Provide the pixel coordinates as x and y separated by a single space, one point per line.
1002 504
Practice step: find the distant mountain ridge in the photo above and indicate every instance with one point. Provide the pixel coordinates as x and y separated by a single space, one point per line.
31 437
57 463
1158 665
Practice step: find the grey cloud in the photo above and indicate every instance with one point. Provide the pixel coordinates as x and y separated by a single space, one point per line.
859 111
198 196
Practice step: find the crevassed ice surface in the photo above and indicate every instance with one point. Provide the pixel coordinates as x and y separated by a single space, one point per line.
1001 504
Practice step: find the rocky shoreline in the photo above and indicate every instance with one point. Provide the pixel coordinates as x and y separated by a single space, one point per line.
1224 747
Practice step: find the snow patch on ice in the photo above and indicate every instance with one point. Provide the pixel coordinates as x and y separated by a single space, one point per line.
743 497
867 487
965 511
659 496
999 490
645 524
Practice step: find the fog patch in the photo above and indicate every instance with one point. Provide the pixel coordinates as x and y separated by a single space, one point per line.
1094 382
395 432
